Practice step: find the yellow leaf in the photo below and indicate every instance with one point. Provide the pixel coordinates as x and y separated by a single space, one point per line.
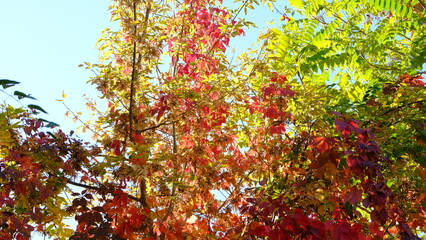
318 194
271 6
321 210
297 3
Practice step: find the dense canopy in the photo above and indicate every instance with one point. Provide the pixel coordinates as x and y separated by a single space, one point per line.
317 132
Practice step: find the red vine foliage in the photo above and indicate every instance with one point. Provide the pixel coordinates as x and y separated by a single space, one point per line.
190 148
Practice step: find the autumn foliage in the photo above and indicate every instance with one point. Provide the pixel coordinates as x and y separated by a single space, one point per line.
316 134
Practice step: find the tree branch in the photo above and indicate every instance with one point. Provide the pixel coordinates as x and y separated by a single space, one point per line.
422 3
77 118
402 106
133 79
153 127
95 188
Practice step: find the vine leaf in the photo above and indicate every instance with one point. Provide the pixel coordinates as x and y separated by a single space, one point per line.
6 83
22 95
36 107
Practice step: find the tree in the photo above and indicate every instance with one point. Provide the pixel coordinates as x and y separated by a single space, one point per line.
318 134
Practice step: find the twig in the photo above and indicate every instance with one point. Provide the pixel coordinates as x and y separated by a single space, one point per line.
402 106
422 3
378 67
301 79
153 127
95 188
237 187
13 98
79 119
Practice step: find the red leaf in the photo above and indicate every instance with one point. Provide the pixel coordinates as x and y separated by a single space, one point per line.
214 96
337 213
205 125
21 188
380 216
260 231
328 225
251 153
412 80
203 161
138 138
286 92
348 152
186 142
354 196
269 90
354 126
272 112
342 231
321 144
375 229
161 111
116 147
278 78
301 218
340 125
20 237
277 129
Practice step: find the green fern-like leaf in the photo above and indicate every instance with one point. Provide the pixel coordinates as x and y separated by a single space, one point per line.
397 8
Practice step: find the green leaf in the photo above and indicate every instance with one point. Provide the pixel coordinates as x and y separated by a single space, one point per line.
392 5
52 135
420 161
49 123
6 83
398 8
22 95
387 5
52 124
382 4
36 107
404 10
